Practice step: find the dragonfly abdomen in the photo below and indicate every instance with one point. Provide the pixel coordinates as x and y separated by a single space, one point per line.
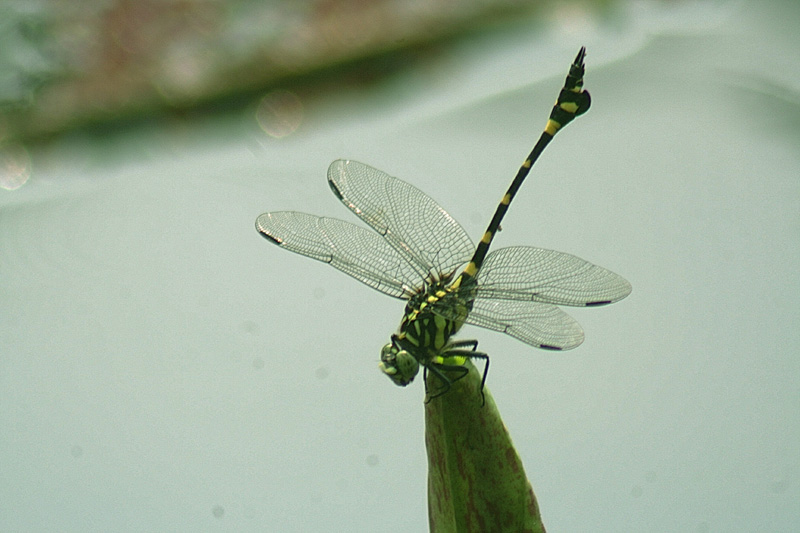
572 101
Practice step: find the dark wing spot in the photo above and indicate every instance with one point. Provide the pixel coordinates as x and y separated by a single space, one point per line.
335 189
548 347
269 237
594 304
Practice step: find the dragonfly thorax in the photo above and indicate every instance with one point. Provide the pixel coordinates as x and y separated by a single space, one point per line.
431 317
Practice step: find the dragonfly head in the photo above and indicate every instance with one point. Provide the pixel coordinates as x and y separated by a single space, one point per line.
397 363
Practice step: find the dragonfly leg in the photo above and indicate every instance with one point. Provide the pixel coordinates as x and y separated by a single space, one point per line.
472 344
469 349
438 371
441 377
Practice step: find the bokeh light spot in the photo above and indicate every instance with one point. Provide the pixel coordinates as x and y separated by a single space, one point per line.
15 166
250 327
779 486
279 113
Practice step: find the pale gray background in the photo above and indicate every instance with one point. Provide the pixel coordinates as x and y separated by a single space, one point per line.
164 368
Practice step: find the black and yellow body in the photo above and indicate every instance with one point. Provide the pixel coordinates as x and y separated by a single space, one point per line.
415 251
425 334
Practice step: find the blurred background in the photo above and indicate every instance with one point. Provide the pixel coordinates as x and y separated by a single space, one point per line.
164 368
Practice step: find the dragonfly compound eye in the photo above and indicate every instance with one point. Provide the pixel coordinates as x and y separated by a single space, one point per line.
399 365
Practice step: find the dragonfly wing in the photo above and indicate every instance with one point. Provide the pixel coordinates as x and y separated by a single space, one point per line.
527 273
354 250
538 324
418 229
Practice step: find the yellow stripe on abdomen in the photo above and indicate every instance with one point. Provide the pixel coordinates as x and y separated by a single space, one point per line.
552 127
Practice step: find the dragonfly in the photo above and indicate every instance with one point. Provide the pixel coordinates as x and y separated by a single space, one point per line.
415 250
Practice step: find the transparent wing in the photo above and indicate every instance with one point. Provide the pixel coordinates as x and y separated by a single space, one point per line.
527 273
418 229
354 250
539 324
